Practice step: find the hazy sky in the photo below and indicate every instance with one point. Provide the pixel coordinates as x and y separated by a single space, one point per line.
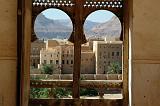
97 16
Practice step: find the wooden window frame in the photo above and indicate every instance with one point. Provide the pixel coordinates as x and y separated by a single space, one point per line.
24 29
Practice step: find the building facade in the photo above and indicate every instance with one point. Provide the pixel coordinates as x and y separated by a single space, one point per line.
36 46
62 57
106 53
94 61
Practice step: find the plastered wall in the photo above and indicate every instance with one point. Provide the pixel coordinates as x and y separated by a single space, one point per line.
146 53
8 52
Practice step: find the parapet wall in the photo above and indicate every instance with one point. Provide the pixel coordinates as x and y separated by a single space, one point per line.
83 76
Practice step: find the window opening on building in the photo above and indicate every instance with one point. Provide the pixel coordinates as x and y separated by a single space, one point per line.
63 62
101 35
67 62
52 28
51 61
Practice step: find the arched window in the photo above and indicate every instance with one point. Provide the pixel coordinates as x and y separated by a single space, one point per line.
78 11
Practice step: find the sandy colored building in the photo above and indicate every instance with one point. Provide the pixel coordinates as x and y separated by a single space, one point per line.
106 52
62 57
94 61
36 46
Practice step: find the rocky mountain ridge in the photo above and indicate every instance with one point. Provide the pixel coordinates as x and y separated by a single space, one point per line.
48 28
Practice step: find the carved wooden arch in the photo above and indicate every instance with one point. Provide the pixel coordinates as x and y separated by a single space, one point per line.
37 10
118 13
78 10
24 16
85 6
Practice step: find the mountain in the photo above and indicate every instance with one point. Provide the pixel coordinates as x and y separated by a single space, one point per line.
48 28
111 28
88 25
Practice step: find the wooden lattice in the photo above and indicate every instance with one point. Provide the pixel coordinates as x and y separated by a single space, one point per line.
86 7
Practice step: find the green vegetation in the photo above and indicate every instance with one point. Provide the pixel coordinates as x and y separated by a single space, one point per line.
57 92
39 93
114 68
48 69
61 92
50 92
88 92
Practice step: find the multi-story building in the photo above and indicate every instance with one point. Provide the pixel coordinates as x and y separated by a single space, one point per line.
36 46
62 57
106 52
96 61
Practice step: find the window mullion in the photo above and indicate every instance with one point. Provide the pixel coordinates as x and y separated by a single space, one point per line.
77 47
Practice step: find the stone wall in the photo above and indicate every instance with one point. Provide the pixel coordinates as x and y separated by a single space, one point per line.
8 52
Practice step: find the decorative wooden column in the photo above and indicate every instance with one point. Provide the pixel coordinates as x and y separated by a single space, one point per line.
77 47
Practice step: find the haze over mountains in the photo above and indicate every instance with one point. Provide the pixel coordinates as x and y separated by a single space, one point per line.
48 28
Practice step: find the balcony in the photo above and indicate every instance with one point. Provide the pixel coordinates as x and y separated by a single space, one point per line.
100 100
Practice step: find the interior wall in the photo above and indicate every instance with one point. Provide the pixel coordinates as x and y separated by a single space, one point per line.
146 53
8 52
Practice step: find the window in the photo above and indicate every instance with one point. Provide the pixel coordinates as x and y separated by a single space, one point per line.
57 62
67 62
63 62
51 61
75 92
112 53
71 61
117 53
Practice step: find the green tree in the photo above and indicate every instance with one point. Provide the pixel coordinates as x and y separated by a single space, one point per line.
48 69
114 68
